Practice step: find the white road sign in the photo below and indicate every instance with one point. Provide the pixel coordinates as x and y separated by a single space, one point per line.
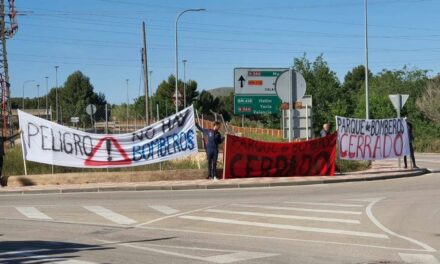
398 100
290 84
256 81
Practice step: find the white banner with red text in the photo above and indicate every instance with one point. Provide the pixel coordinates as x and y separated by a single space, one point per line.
48 142
372 139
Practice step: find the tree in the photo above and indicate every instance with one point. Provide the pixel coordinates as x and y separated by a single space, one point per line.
325 89
428 103
207 102
76 94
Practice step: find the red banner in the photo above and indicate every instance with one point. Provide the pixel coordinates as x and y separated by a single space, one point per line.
245 157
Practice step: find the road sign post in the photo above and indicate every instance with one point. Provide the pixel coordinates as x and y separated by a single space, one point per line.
290 86
398 101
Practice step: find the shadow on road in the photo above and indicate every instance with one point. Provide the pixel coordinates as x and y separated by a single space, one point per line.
38 252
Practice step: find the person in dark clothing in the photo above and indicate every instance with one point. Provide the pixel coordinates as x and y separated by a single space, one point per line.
3 179
325 130
411 149
214 139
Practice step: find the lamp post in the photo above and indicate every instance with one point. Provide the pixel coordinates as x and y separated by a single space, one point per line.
38 99
177 54
184 83
24 83
127 102
367 115
47 92
56 91
151 94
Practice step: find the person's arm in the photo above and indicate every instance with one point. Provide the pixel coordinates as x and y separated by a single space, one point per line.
13 136
201 129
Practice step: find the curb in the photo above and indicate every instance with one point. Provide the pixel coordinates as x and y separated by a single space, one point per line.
214 186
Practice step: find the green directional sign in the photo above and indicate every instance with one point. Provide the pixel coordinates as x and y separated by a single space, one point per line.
256 104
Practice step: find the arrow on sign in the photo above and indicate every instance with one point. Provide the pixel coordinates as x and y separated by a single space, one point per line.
241 80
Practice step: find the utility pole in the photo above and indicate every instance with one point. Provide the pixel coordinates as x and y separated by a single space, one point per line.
145 64
6 32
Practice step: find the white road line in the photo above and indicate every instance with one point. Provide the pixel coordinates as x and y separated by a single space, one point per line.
110 215
327 204
299 209
337 220
286 227
73 261
230 257
32 212
175 215
164 209
418 258
378 224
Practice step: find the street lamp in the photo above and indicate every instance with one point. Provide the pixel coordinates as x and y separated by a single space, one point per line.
47 92
151 94
127 102
367 115
184 83
28 81
177 54
38 99
56 91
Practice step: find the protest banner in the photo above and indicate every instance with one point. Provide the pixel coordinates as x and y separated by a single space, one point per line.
51 143
372 139
245 157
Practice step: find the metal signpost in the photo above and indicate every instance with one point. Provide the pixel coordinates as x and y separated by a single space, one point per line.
398 101
91 110
290 86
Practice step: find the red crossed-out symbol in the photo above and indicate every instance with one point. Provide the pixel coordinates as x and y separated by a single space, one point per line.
109 141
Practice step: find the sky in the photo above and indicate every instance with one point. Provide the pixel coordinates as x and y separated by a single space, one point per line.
103 38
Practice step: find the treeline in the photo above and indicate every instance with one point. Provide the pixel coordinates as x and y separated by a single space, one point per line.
330 98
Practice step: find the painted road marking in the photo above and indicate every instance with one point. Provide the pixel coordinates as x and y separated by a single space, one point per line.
337 220
418 258
230 257
386 230
286 227
299 209
73 261
327 204
164 209
32 212
110 215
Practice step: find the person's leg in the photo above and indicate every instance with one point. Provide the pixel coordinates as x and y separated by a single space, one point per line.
404 162
214 165
3 180
209 155
413 158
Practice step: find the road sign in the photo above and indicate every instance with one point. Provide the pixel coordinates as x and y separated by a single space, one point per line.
256 104
290 84
256 81
74 119
398 100
180 98
91 109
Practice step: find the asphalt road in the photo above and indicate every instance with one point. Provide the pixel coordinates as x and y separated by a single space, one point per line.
389 221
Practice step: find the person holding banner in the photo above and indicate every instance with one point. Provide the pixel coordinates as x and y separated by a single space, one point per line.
214 139
411 149
325 130
3 179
